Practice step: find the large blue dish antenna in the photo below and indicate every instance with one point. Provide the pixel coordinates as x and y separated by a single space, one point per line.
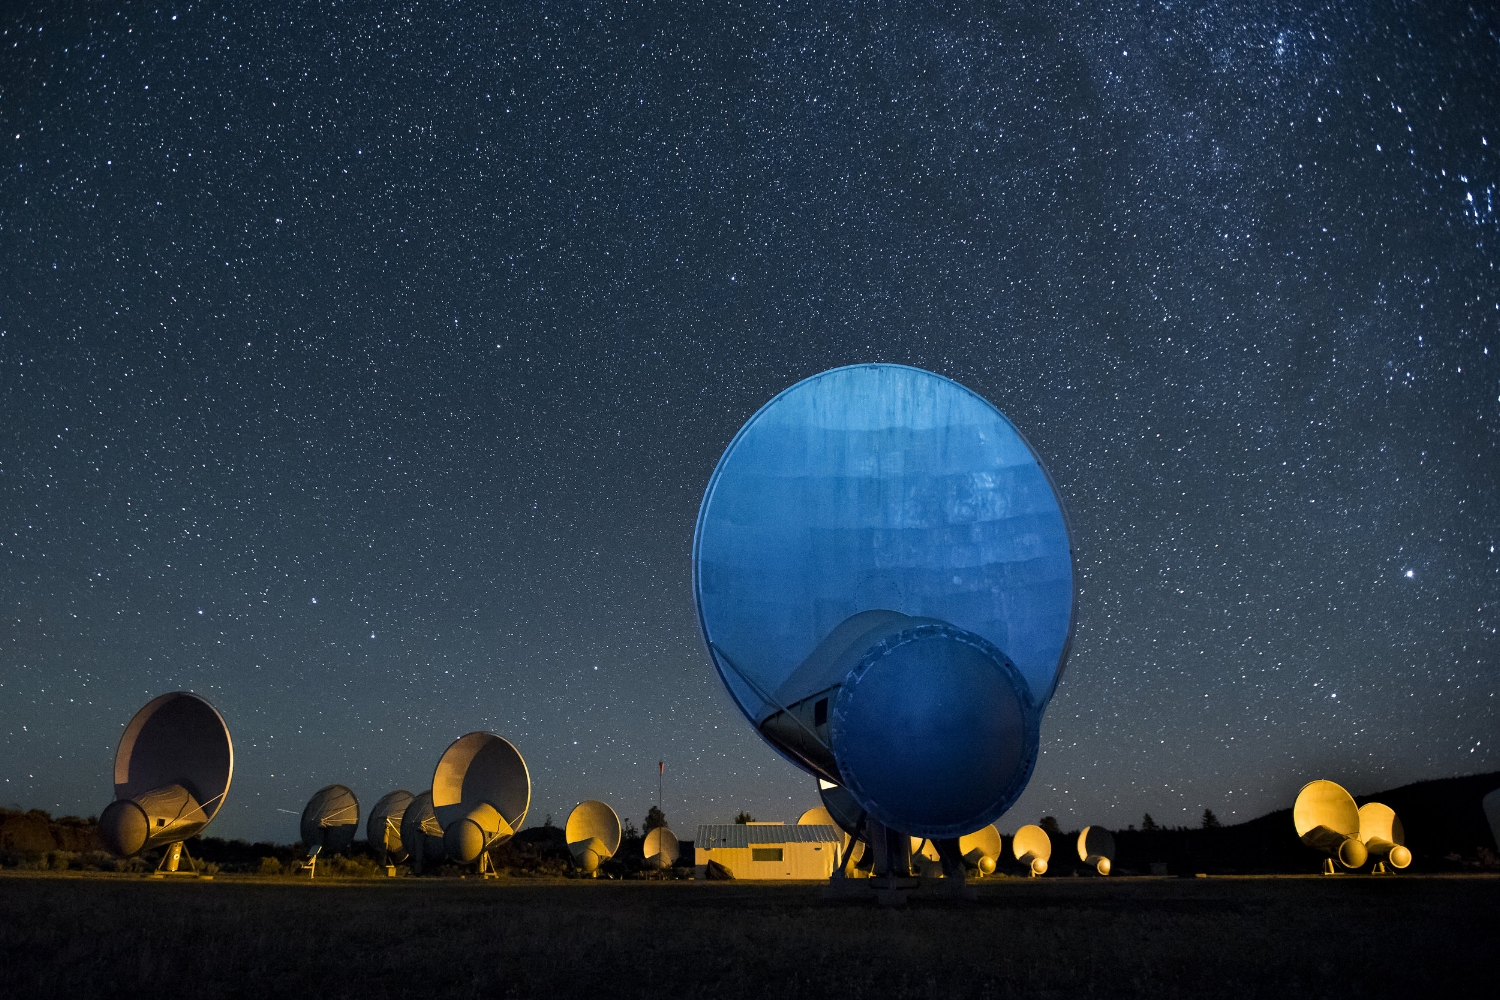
881 488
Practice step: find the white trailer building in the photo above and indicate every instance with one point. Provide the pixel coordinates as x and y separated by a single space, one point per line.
769 850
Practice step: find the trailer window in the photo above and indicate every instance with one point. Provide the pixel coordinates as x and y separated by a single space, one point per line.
765 854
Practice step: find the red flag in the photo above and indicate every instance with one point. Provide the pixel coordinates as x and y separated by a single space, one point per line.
661 767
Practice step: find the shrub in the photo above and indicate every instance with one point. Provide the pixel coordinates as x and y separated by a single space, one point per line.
359 866
270 866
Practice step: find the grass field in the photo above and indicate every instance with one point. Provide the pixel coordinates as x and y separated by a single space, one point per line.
112 935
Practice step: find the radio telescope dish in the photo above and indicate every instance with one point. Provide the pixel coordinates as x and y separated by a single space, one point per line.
884 578
1032 847
592 833
817 816
981 849
1384 837
383 828
421 835
172 771
821 816
1327 819
330 820
480 793
842 808
660 848
1096 847
925 860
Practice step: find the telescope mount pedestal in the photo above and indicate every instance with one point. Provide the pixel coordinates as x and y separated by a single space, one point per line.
311 864
171 861
954 881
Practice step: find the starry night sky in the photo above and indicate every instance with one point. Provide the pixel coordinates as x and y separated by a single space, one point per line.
363 370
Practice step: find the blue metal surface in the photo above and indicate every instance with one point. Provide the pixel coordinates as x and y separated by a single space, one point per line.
935 732
880 487
883 488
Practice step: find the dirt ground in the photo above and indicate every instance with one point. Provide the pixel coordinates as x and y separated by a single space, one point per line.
94 935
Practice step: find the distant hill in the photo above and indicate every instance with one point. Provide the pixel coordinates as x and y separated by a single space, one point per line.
1443 818
29 837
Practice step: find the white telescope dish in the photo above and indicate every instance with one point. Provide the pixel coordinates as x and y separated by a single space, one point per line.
1096 847
592 833
1384 837
383 828
817 816
1327 819
330 820
660 848
172 771
480 793
1032 847
421 835
845 811
924 857
981 849
1491 804
820 816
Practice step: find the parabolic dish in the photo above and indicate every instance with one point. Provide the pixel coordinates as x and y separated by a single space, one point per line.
1378 821
383 828
330 819
480 793
981 848
593 825
177 739
821 816
660 848
481 767
816 816
1381 832
879 487
921 847
843 808
1096 846
1327 818
1032 846
421 836
1324 809
172 771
